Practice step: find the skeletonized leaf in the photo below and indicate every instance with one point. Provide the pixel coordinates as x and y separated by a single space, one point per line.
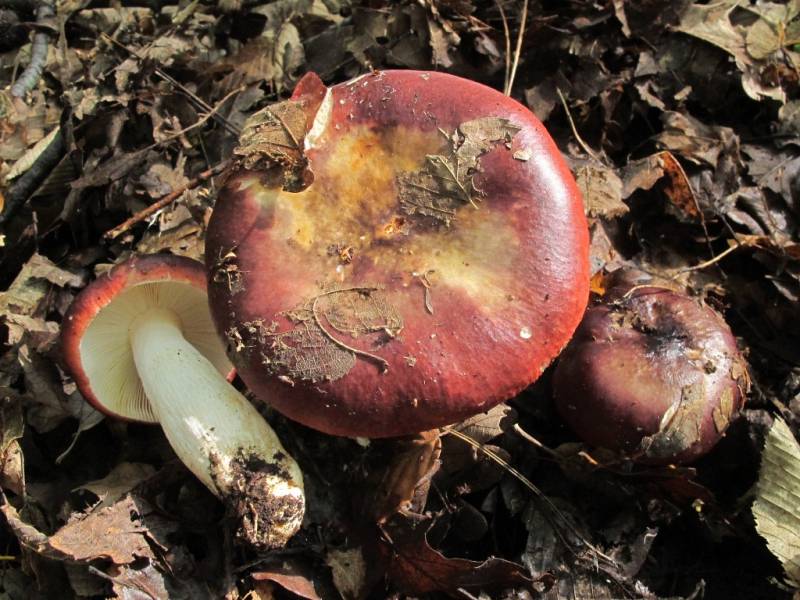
445 182
315 348
777 505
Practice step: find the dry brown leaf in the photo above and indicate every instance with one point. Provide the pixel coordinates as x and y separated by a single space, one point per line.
12 427
274 135
118 533
417 568
678 190
27 294
26 160
349 571
712 23
643 174
402 485
293 576
776 508
184 240
488 425
601 188
122 479
693 140
775 29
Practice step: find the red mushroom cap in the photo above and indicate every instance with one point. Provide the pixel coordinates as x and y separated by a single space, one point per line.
433 262
94 334
651 373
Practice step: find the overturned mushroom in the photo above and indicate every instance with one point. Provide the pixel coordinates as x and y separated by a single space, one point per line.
395 253
651 373
141 346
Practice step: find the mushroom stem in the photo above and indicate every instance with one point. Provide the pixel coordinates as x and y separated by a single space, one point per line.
216 432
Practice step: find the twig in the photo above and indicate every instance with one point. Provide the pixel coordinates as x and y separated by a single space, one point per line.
529 484
19 191
710 261
507 36
162 202
171 80
518 49
132 585
41 39
584 145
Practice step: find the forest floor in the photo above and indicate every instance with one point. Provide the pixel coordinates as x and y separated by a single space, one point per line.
681 123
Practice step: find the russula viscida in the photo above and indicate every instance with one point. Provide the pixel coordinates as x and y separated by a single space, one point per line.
140 344
395 253
652 374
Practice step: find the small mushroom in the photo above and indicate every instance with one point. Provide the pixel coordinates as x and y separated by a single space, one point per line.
141 346
395 253
652 374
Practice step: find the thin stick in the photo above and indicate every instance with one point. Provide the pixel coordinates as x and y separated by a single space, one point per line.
169 79
518 49
529 484
710 261
162 202
584 145
24 185
165 200
41 40
507 36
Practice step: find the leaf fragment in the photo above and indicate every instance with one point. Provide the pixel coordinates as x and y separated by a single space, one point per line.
777 505
121 533
314 349
349 570
680 427
121 480
273 135
445 182
601 188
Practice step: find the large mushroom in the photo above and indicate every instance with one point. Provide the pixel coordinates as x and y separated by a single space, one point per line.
395 253
141 346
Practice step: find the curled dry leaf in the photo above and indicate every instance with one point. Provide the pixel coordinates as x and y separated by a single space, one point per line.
464 468
403 484
643 174
417 568
12 427
275 136
294 576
